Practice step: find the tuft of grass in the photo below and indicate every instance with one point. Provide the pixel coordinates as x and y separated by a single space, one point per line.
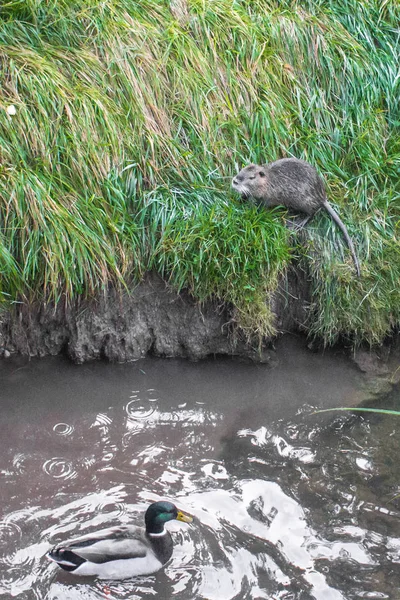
133 115
230 253
365 309
70 246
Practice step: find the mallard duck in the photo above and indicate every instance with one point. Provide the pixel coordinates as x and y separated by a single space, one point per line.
124 551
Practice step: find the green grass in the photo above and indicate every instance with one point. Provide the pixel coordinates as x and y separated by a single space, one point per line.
234 253
133 115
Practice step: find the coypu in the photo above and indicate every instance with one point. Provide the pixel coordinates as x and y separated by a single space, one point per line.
292 183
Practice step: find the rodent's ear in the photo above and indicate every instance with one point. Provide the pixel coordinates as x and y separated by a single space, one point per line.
261 173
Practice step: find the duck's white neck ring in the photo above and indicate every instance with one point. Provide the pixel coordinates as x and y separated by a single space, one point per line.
158 534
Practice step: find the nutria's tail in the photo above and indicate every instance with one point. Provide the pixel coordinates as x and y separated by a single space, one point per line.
343 227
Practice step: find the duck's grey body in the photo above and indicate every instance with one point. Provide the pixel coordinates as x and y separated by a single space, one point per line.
124 551
117 552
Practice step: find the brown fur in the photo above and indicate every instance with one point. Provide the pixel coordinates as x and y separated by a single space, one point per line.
292 183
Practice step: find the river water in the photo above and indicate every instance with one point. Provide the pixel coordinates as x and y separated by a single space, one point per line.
288 504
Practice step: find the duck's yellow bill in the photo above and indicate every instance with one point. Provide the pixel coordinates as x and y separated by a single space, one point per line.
185 517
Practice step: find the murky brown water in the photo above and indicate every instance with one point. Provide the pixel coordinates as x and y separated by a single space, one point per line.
289 505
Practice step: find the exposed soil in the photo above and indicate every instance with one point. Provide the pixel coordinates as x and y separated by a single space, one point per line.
151 319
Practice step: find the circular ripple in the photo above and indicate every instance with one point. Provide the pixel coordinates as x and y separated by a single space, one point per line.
63 429
138 411
59 468
127 438
10 534
107 457
152 395
115 509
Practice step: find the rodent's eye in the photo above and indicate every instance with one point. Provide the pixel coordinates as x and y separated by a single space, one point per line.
261 174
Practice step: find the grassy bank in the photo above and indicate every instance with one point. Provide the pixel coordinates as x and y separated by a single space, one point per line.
132 115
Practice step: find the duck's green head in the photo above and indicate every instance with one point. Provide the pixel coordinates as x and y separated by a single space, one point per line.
159 513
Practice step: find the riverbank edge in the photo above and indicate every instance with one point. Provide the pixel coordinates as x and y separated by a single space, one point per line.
150 319
153 319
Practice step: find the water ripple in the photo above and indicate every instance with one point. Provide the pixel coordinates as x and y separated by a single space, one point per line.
63 429
115 509
59 468
138 411
102 420
10 534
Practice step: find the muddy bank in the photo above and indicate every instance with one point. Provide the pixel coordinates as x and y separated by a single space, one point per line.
152 319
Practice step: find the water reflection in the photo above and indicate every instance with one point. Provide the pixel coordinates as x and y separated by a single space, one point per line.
287 507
